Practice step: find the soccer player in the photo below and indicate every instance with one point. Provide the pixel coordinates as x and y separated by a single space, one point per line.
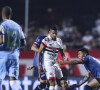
66 86
11 38
50 46
42 76
91 64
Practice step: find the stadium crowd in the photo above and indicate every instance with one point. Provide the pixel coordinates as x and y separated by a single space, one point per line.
74 35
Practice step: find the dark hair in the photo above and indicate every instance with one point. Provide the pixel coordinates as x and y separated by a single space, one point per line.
63 78
84 50
7 11
53 27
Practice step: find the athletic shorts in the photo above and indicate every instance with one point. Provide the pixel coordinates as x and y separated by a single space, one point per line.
42 75
53 71
9 64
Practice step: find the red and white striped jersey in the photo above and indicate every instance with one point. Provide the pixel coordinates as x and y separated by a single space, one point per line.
51 49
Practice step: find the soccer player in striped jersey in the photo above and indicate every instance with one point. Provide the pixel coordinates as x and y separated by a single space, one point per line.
50 46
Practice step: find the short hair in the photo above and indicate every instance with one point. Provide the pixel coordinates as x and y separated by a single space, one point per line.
63 78
7 11
53 27
84 50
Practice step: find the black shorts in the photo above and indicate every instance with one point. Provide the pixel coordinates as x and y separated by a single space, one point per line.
98 79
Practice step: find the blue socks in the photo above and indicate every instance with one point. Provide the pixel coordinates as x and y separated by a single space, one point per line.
87 87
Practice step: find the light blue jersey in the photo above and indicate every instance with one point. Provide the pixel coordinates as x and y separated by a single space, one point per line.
92 65
12 36
9 50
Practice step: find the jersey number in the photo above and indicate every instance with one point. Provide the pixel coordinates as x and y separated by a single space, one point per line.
12 38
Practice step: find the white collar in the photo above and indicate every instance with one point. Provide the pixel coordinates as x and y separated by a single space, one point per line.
49 37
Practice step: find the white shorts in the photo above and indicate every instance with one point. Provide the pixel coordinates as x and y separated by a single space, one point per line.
53 71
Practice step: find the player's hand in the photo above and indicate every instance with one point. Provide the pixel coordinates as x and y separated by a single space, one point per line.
30 67
60 62
39 68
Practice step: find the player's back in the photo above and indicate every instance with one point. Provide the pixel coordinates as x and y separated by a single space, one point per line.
92 64
12 36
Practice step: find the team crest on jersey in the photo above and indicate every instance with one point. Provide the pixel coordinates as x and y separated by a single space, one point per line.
38 40
50 73
50 44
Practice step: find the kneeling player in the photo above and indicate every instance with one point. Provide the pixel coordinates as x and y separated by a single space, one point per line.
65 84
91 64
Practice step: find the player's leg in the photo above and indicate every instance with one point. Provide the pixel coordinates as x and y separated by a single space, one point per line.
50 74
52 84
59 75
93 84
3 71
42 79
13 72
14 84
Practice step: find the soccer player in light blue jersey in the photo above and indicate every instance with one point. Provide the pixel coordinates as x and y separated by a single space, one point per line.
11 38
42 76
91 64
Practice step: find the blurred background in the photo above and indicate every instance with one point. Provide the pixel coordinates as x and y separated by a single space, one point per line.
79 26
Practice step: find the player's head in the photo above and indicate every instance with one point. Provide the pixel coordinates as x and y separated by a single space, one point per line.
6 12
83 52
63 82
53 31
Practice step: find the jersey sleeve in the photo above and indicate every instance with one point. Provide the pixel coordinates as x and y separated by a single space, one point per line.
1 30
61 44
85 59
37 42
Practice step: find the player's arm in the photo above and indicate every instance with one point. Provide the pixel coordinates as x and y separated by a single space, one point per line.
1 35
36 44
38 56
34 48
61 50
23 41
86 78
30 67
1 39
72 62
62 54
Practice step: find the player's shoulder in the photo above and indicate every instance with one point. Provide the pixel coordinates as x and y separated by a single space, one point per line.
41 37
47 39
2 22
59 39
88 57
